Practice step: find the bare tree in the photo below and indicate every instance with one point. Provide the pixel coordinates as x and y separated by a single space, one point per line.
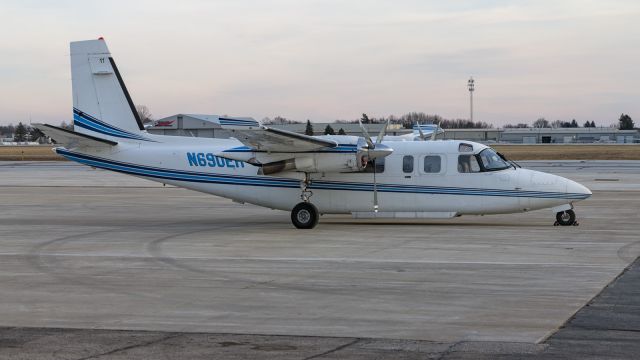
65 125
516 126
279 120
144 114
541 123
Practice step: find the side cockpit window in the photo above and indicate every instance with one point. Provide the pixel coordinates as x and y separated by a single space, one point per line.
468 164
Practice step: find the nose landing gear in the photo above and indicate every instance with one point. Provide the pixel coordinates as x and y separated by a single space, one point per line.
305 215
566 218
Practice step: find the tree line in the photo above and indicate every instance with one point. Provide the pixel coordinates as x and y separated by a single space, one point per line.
406 120
21 132
624 123
410 119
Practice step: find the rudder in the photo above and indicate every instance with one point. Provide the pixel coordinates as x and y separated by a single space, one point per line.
101 102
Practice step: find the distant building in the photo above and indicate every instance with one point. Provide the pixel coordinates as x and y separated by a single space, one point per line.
199 125
196 125
569 135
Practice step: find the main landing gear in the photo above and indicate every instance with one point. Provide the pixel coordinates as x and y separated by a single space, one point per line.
566 218
305 215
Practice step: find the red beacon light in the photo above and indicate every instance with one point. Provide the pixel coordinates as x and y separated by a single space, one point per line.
100 38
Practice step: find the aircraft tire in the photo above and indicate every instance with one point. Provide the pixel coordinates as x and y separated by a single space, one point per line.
305 216
566 218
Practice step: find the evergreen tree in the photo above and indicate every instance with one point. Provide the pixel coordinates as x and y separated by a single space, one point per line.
309 129
341 132
625 122
574 123
365 119
329 130
21 133
593 123
586 124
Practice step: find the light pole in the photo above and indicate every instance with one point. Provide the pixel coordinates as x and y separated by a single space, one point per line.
471 86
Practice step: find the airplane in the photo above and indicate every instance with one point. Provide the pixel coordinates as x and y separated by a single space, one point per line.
420 132
306 175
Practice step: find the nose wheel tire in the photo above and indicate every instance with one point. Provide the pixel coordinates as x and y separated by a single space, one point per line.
305 216
566 218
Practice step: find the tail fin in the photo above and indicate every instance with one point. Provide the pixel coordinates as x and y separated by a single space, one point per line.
101 102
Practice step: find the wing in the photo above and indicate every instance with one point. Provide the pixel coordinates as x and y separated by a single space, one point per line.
262 138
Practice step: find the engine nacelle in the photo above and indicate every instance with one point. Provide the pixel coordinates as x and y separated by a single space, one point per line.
316 163
344 158
328 162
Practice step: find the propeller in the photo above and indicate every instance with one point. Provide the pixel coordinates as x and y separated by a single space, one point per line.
422 135
375 150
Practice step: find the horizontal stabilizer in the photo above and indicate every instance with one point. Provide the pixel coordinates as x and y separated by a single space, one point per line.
72 139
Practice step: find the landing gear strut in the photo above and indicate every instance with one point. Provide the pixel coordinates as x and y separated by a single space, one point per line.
566 218
304 188
305 215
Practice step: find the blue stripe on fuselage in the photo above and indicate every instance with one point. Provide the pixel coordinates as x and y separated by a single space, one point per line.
267 181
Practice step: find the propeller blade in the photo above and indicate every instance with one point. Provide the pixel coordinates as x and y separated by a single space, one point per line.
422 136
435 133
383 131
366 135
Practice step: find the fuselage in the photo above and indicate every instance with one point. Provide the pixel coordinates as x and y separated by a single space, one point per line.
419 176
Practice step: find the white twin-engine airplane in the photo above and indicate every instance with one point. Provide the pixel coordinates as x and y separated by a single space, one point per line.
307 175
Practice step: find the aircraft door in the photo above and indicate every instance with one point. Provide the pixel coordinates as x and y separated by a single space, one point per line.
431 172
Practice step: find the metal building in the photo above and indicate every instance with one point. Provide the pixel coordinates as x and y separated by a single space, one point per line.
196 125
568 135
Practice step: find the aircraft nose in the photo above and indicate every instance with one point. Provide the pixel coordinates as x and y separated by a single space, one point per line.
577 188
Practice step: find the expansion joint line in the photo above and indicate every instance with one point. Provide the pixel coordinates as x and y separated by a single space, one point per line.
133 346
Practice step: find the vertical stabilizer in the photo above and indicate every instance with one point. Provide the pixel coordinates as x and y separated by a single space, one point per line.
101 103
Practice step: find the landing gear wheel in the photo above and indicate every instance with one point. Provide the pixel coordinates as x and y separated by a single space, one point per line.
305 216
566 218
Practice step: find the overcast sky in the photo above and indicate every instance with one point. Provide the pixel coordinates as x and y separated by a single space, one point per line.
324 60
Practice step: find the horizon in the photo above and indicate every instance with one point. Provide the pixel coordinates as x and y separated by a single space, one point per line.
331 60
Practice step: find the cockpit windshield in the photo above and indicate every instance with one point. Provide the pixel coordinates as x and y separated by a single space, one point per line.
491 161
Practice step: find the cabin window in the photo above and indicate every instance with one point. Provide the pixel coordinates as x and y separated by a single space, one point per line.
407 164
432 164
465 147
468 164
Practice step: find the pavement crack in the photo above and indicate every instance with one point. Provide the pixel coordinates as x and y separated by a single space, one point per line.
605 329
449 350
133 346
341 347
